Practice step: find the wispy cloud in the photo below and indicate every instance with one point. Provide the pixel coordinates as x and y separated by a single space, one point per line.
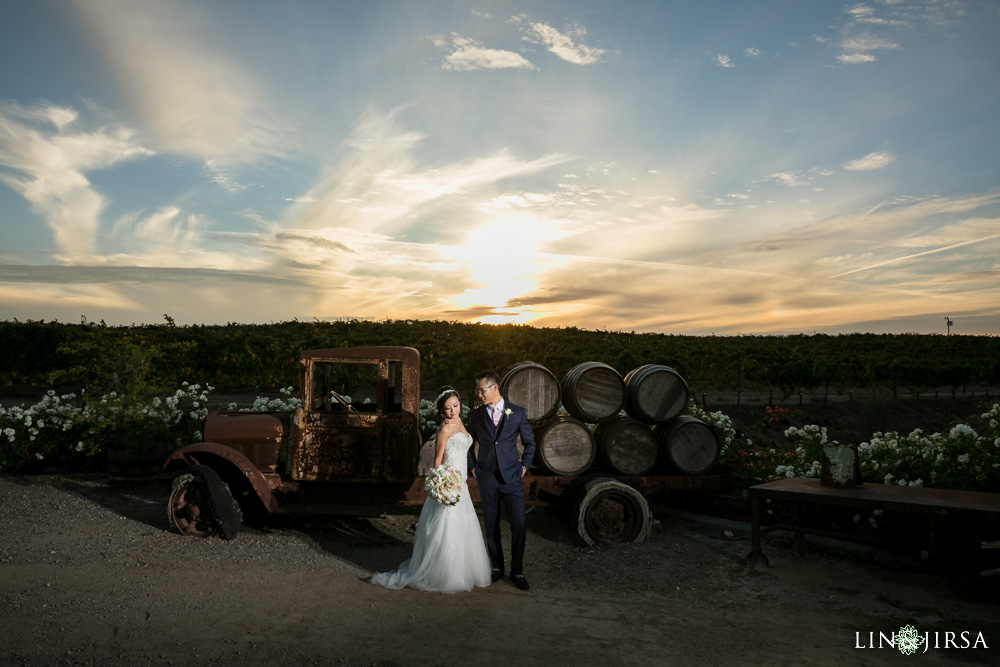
856 58
884 26
167 238
49 155
859 50
380 186
867 14
905 258
468 54
791 179
563 44
722 60
577 196
877 160
191 97
221 177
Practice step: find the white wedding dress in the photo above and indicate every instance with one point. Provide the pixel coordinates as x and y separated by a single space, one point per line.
449 554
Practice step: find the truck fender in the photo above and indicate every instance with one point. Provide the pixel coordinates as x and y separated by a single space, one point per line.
235 461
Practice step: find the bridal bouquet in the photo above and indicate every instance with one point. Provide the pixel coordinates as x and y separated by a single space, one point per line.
444 484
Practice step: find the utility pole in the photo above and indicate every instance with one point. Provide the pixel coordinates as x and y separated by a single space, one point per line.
949 323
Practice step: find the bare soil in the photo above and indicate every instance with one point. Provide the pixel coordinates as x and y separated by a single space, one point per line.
90 574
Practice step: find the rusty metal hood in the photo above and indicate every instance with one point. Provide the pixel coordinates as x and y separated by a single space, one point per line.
238 429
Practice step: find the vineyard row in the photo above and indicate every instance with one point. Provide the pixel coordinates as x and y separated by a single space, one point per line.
262 356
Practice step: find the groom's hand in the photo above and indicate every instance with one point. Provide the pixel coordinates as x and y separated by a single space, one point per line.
523 471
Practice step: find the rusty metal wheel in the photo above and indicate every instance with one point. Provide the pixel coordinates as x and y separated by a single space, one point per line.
611 511
201 504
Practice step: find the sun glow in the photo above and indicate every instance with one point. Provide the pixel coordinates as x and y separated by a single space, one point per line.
503 257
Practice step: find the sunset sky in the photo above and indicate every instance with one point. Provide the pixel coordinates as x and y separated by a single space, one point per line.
679 167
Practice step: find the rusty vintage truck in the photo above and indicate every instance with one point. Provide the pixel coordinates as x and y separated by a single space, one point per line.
359 455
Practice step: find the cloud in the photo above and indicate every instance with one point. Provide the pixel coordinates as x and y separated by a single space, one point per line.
858 48
124 294
895 22
905 258
990 277
187 93
91 275
863 13
468 55
868 42
166 237
856 58
221 177
379 187
965 231
50 154
877 160
722 60
752 52
892 252
315 240
790 178
563 45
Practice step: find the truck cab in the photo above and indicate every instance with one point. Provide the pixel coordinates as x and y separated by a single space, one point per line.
354 441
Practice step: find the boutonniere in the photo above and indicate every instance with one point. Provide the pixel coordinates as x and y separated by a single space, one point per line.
507 412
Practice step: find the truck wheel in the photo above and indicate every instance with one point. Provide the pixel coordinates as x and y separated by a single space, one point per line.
611 511
201 504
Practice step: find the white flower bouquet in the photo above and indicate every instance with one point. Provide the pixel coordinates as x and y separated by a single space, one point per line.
444 485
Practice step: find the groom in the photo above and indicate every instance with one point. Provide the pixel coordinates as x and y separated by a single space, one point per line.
498 471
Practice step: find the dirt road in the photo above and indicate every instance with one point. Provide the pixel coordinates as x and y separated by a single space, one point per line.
91 575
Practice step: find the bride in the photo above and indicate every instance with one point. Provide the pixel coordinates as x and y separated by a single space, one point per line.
448 550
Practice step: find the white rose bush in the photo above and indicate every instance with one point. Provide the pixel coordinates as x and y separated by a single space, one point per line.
959 459
287 402
75 431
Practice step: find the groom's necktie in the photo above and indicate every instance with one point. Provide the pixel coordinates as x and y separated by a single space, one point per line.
495 414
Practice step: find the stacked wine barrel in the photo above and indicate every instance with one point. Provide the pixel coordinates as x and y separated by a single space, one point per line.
652 437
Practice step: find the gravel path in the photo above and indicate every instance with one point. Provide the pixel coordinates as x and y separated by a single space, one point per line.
91 575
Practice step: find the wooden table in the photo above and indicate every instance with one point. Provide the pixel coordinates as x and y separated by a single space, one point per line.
936 503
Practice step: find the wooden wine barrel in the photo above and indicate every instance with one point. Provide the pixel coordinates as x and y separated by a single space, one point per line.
593 392
608 510
564 446
688 445
626 446
655 394
534 388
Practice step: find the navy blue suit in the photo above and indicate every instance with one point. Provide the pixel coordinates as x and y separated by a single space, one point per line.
498 476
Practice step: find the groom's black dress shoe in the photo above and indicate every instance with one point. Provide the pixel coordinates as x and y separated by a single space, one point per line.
495 574
520 582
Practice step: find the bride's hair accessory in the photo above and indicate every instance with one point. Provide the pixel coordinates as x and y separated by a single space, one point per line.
446 393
